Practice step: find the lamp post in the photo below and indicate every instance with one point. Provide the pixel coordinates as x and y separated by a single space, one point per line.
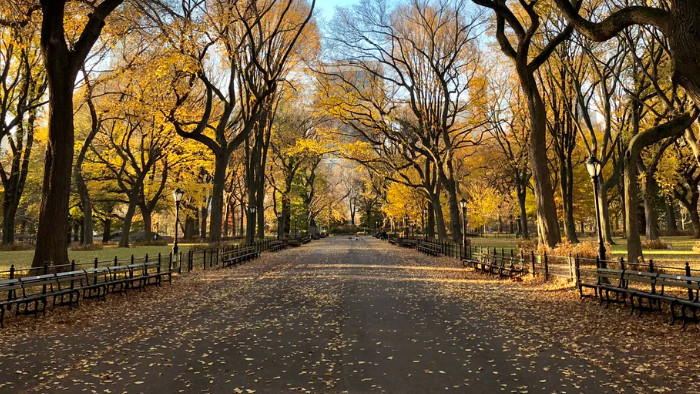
423 217
251 212
463 205
177 196
280 226
594 166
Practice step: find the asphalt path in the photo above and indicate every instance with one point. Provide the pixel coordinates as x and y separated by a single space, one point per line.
336 315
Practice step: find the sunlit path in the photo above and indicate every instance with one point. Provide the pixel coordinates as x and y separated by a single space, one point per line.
336 315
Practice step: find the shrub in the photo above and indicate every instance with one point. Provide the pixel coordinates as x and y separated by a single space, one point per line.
656 244
527 245
16 246
85 248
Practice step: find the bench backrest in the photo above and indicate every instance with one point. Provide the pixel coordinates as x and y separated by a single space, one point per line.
689 283
9 287
68 279
33 285
607 273
95 275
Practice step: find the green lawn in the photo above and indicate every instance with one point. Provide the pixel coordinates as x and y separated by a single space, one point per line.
23 258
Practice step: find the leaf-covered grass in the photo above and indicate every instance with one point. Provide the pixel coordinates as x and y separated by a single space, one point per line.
681 247
23 258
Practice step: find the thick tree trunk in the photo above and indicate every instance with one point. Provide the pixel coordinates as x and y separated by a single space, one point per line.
439 218
217 197
147 224
261 208
126 225
650 214
605 214
671 223
190 229
695 219
53 213
547 221
107 233
453 205
9 212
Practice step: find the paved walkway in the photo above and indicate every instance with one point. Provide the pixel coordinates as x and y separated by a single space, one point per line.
332 316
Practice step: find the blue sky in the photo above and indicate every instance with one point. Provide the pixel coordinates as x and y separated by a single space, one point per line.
325 9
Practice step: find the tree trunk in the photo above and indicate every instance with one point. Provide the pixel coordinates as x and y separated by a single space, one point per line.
62 65
695 219
107 233
53 213
126 225
650 214
547 221
522 198
439 219
217 196
147 224
203 215
671 223
453 205
604 213
9 212
567 193
86 205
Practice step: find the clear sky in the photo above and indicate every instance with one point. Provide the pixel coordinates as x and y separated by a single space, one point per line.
325 9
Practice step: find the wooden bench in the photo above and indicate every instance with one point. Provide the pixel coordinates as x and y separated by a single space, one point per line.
66 290
689 284
8 287
94 284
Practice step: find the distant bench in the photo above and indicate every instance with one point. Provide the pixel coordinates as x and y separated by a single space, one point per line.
619 285
30 295
494 264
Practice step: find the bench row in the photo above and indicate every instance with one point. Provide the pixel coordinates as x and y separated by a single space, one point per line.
31 294
679 291
502 266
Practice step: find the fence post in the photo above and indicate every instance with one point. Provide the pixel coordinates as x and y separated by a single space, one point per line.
179 263
687 273
12 276
170 262
204 259
532 260
116 261
577 270
653 283
546 267
571 267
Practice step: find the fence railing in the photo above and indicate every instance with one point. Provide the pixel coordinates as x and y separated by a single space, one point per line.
192 260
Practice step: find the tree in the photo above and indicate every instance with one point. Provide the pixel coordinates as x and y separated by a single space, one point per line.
678 23
519 49
63 61
22 92
255 41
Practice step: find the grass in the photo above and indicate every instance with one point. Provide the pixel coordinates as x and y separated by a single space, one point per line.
23 258
682 247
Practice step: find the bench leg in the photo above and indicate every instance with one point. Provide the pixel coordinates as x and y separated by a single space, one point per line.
673 312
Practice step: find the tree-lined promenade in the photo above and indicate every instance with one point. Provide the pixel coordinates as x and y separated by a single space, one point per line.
556 119
340 315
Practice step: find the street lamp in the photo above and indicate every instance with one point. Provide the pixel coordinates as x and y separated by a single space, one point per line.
463 205
251 212
279 225
423 219
177 196
594 166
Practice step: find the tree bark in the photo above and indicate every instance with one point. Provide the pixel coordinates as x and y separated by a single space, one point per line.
547 221
107 233
650 213
126 225
62 65
671 223
217 196
522 198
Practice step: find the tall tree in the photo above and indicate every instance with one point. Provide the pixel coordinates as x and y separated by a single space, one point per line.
526 24
63 60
